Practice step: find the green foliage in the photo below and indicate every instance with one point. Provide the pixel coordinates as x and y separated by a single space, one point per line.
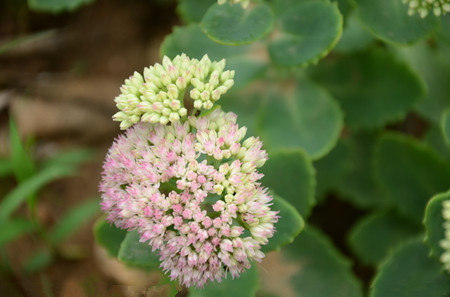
445 125
377 234
410 173
311 118
316 269
291 175
410 272
234 25
308 30
192 11
21 162
389 21
434 223
56 6
245 285
15 228
135 253
109 236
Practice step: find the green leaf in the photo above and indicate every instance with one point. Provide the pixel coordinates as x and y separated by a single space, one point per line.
301 115
409 272
434 138
433 66
311 266
354 37
331 169
359 186
235 25
56 6
194 43
69 158
389 21
290 174
377 234
289 225
410 173
434 223
135 253
445 125
245 285
38 261
21 162
15 228
109 236
373 88
30 186
5 167
72 221
308 31
192 11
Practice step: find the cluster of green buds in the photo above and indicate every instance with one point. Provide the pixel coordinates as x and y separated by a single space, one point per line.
244 3
445 243
423 7
158 95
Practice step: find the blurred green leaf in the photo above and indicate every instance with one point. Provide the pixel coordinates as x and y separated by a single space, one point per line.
289 225
291 175
311 266
234 25
354 37
301 115
135 253
331 169
109 236
409 272
21 161
308 31
374 236
373 88
434 223
38 261
445 125
5 167
17 196
410 173
69 158
358 186
73 220
15 228
194 43
389 20
245 285
192 11
434 138
56 6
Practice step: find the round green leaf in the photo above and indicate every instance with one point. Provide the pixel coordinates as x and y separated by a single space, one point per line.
303 115
435 139
308 31
193 10
375 235
389 20
445 125
311 266
245 285
409 272
108 236
358 186
434 223
354 37
194 43
373 88
56 6
291 175
232 24
410 173
289 225
135 253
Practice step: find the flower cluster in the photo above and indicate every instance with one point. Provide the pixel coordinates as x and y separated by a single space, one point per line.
191 190
244 3
445 243
157 95
423 7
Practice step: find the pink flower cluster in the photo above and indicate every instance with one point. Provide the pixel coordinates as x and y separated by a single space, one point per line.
191 190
